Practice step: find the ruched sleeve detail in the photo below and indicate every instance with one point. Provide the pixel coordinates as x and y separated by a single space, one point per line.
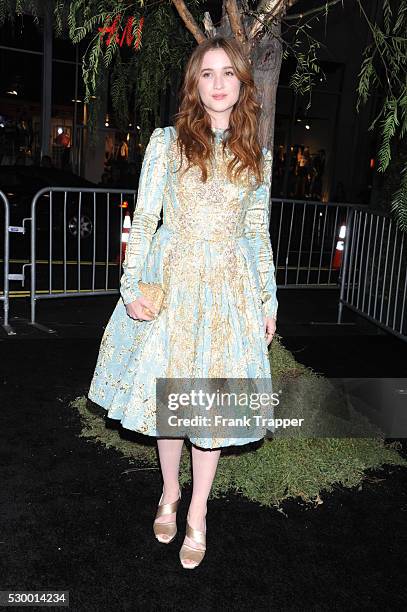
256 229
147 214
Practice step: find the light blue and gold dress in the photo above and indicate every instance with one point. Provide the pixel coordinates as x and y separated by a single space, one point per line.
213 257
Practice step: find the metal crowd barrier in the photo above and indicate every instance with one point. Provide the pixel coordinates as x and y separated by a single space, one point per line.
76 258
307 242
374 278
304 237
77 239
6 258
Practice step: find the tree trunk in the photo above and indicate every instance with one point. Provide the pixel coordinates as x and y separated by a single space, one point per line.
266 59
261 45
266 56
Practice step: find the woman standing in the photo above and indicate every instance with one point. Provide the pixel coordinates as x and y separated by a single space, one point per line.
213 258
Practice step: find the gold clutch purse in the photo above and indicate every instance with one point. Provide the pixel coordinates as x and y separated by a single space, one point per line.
153 292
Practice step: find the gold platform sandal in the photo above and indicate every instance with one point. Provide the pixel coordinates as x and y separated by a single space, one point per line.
193 554
166 529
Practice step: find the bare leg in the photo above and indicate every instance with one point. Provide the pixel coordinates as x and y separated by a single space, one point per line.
204 465
169 451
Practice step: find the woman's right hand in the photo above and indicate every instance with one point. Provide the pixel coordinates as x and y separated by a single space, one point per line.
136 310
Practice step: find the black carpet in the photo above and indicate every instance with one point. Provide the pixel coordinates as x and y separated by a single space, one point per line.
71 519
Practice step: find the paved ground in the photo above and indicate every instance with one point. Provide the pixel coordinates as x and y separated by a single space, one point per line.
73 519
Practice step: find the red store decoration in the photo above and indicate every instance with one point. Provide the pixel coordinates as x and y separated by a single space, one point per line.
112 30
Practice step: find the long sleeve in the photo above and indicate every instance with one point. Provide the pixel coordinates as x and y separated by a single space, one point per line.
147 213
256 229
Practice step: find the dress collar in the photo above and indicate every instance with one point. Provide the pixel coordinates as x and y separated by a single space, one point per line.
219 133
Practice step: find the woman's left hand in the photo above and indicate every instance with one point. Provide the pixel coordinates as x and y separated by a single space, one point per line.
269 328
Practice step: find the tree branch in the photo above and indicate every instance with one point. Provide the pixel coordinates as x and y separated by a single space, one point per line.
236 23
189 21
208 25
313 11
268 10
269 6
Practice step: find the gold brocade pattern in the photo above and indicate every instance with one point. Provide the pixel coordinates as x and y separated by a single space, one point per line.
213 257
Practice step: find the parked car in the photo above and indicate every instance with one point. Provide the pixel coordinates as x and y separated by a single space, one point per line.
86 222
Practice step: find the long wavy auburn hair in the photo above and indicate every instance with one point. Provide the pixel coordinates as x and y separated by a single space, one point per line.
195 138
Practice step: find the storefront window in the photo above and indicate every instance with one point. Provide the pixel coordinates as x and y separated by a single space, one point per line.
304 140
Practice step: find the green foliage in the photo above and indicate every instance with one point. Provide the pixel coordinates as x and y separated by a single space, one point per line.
166 44
399 202
61 11
306 70
10 9
384 70
298 44
137 76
